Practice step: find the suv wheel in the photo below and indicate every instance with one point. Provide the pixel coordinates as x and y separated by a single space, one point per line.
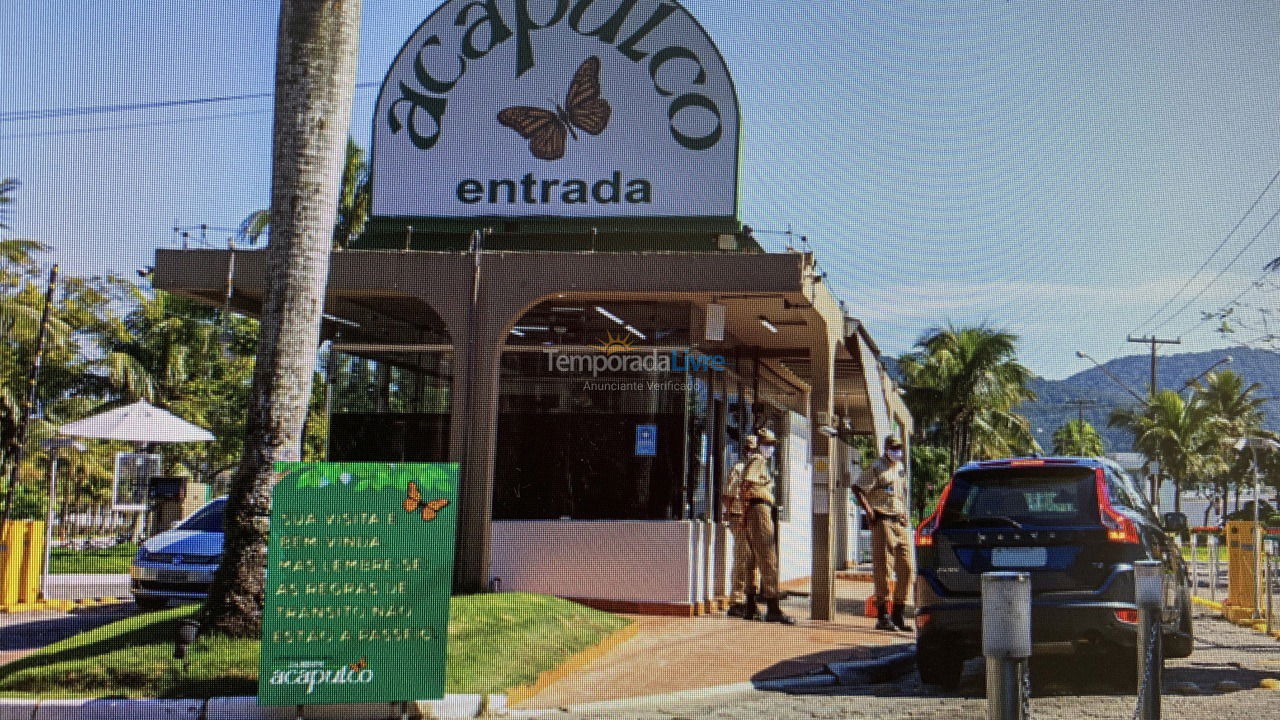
939 663
1180 643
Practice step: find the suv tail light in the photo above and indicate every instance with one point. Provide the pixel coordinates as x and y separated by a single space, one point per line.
924 533
1120 529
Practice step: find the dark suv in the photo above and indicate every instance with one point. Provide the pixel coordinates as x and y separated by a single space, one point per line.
1076 525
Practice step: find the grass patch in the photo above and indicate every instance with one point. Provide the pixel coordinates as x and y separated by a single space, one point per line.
114 559
1202 553
496 641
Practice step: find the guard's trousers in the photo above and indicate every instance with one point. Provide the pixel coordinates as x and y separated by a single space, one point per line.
745 576
760 535
891 545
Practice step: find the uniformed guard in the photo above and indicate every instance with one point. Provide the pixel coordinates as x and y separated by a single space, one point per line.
757 492
881 491
742 595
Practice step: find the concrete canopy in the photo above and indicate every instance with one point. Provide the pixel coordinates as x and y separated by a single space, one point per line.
469 302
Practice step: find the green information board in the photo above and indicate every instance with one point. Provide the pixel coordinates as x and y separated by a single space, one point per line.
359 572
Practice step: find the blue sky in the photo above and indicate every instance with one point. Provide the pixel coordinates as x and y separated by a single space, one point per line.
1057 169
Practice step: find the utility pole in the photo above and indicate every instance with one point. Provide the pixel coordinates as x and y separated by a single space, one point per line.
1155 482
1080 404
18 444
1153 341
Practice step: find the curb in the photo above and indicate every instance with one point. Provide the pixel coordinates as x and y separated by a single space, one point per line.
859 672
62 605
572 664
1251 623
452 707
1206 603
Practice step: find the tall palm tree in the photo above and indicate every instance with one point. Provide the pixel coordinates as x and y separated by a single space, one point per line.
1180 434
1237 412
7 186
316 51
354 201
1079 438
963 384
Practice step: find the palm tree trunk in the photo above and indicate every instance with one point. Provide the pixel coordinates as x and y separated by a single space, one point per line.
315 82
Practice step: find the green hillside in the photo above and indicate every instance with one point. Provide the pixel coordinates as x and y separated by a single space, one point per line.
1055 397
1053 407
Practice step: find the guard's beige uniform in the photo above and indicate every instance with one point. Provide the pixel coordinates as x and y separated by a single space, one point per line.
757 493
884 484
745 576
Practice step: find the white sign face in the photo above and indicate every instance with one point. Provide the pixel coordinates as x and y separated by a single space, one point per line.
557 108
130 488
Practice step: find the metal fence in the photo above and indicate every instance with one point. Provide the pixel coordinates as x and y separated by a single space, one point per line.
1207 567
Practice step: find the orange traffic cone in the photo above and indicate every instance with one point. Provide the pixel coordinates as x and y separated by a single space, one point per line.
869 607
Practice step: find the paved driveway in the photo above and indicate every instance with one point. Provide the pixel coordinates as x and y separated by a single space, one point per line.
1062 690
23 633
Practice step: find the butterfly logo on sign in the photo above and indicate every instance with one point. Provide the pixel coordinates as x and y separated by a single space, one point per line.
583 108
359 665
429 509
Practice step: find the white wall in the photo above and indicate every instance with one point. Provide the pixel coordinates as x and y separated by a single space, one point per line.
795 547
625 560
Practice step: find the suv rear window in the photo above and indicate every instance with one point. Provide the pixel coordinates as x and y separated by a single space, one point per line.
1015 497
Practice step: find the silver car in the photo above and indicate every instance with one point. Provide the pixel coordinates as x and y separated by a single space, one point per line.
178 564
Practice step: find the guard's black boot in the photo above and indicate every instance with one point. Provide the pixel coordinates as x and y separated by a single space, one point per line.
775 613
736 610
749 609
883 621
896 618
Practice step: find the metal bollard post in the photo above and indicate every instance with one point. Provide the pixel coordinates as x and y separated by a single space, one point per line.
1148 585
1006 642
1195 564
1213 568
1270 546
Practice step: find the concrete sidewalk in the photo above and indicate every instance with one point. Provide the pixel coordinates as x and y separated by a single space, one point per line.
679 654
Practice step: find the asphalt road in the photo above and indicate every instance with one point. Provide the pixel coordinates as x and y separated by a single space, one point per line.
22 633
1061 690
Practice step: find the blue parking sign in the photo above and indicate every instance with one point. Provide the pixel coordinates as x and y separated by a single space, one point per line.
647 440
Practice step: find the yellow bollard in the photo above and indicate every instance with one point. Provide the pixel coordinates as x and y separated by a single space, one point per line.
15 536
1242 570
32 563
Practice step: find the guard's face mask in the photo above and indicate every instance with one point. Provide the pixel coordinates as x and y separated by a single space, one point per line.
895 455
767 450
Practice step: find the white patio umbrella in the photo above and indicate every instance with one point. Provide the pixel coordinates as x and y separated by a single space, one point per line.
140 422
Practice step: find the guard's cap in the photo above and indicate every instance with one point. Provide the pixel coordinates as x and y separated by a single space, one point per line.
766 436
892 442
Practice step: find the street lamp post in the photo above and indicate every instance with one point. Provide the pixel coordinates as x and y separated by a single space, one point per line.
53 445
1207 370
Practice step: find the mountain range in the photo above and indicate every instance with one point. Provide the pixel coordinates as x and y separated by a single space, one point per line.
1056 399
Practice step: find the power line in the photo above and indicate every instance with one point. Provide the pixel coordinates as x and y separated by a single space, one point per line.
1212 255
1252 286
53 113
131 126
1224 270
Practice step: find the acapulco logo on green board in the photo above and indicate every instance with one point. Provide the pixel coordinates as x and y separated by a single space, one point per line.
589 108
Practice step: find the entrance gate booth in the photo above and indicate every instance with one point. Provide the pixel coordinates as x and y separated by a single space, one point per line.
563 300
